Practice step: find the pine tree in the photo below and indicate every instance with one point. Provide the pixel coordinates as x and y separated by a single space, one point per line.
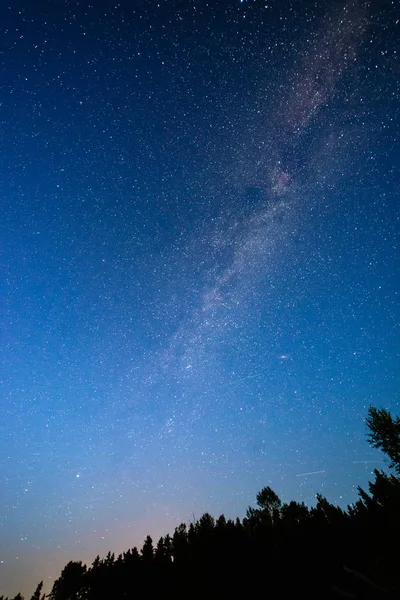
148 550
68 585
38 591
384 434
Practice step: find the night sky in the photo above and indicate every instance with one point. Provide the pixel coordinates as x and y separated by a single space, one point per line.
199 275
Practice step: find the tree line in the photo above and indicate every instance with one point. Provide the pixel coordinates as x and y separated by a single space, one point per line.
278 550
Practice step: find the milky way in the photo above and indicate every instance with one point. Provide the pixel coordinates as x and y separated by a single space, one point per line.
246 247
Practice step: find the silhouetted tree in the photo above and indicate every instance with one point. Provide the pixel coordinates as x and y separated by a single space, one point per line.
270 503
288 550
180 544
67 586
268 500
221 522
131 558
147 551
294 514
163 551
268 512
329 512
37 594
109 559
385 434
168 546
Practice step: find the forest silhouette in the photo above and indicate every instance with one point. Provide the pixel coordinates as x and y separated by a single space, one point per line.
279 550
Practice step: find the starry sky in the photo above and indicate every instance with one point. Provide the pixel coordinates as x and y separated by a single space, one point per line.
199 273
